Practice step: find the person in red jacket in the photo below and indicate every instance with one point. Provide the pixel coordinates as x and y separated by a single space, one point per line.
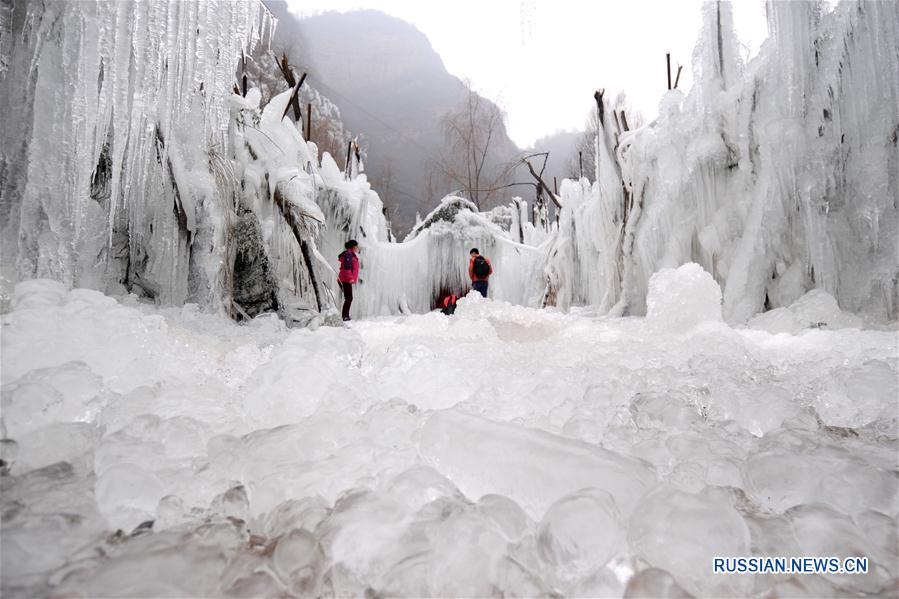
349 274
479 271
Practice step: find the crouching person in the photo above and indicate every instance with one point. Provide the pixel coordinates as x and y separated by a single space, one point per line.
449 304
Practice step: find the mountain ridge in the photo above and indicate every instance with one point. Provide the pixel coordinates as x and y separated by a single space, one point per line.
392 88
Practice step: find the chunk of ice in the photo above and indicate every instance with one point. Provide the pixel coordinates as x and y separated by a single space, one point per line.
681 298
534 468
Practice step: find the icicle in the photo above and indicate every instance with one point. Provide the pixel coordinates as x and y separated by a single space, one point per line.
121 102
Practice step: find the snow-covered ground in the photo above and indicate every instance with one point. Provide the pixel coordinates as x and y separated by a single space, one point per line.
170 452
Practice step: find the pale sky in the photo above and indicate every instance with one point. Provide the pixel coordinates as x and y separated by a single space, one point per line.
541 60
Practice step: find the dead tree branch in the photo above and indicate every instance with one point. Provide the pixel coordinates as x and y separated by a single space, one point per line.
291 80
552 196
668 62
294 102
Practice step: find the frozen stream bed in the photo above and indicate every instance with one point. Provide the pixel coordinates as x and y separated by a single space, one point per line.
504 450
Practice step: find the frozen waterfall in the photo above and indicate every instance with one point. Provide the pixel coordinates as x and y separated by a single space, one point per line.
114 173
777 176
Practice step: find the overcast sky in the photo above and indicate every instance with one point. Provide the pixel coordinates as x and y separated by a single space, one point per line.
542 59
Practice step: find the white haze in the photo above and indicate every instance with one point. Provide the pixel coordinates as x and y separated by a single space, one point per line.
542 60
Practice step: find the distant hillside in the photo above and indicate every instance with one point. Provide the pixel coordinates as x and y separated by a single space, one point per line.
562 154
391 87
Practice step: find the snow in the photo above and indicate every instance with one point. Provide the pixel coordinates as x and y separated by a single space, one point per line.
504 447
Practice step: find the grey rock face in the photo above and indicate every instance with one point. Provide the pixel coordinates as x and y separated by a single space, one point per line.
255 286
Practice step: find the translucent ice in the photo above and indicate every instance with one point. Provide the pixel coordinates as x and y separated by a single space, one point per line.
580 533
854 397
700 526
271 461
532 467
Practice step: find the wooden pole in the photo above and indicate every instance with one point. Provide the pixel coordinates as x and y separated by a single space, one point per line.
308 121
243 79
291 80
294 102
555 186
624 121
668 60
599 106
346 168
676 79
580 163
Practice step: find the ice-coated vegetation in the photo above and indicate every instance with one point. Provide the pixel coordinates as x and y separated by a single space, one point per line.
777 176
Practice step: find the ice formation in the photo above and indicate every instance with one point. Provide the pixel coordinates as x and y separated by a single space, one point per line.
114 168
160 449
505 450
777 176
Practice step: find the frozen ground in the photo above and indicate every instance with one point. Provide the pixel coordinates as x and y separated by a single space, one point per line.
166 452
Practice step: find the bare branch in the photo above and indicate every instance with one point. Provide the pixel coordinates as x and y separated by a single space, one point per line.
552 195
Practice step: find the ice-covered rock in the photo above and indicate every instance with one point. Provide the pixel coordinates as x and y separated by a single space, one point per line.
654 583
532 467
64 393
701 527
466 552
819 309
665 411
778 320
682 298
816 309
58 442
580 532
299 562
822 531
128 494
507 515
848 483
855 397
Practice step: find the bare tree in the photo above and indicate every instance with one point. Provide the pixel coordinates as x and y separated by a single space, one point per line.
473 133
622 118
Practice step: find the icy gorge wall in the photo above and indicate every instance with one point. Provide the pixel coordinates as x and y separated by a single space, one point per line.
777 177
113 167
128 165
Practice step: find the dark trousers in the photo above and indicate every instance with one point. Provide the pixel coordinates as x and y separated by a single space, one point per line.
480 287
347 298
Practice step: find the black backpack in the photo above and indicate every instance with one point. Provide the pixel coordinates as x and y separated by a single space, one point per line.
346 261
481 267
